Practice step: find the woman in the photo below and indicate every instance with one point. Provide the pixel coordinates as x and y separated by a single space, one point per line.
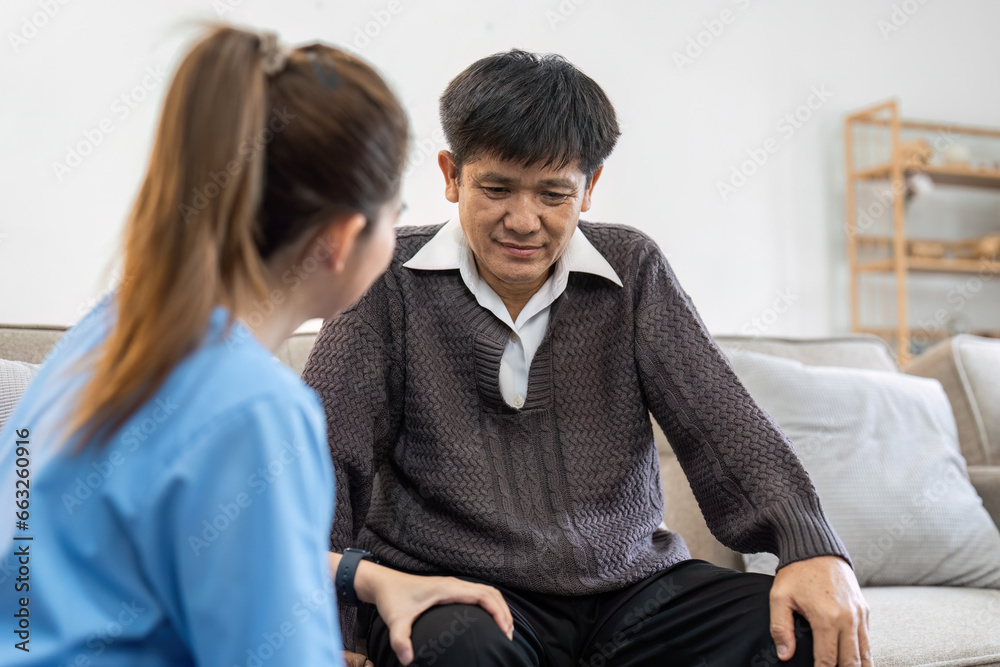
178 491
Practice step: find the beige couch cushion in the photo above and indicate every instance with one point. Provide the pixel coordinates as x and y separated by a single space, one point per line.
295 351
968 368
32 343
28 342
857 351
986 479
930 625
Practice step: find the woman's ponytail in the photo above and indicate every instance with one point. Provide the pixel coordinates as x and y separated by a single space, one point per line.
250 153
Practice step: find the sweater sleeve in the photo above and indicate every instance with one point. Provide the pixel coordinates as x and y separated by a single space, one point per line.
752 489
355 367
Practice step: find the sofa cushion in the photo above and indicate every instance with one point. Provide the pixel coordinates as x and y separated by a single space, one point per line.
882 450
15 376
911 626
295 351
969 369
854 351
986 479
28 342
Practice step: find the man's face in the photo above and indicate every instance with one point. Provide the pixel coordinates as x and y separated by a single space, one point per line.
518 220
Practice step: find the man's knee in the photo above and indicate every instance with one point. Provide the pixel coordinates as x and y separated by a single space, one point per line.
458 634
803 657
754 592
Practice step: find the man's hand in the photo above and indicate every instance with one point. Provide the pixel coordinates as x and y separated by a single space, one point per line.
400 598
356 660
826 592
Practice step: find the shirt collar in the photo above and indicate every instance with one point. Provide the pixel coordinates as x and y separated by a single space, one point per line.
448 249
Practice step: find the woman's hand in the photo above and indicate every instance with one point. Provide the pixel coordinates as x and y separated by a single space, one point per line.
356 660
401 598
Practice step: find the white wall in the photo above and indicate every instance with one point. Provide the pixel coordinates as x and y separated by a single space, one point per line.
686 127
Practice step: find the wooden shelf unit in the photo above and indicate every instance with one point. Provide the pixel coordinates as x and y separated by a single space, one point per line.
874 154
981 177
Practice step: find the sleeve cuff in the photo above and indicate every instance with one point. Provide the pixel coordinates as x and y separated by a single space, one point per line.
801 530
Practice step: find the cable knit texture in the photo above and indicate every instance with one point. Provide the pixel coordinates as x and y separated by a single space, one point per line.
436 473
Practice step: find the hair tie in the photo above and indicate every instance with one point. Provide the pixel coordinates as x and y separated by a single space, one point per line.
328 77
273 54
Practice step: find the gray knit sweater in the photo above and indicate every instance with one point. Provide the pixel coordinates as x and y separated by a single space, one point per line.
436 473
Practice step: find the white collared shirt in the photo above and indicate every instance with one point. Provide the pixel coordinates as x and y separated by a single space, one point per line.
449 249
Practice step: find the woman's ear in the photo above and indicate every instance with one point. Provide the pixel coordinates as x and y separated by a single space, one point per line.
339 238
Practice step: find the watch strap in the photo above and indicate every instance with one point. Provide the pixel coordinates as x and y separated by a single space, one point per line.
346 571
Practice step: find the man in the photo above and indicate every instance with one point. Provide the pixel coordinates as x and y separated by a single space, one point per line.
488 408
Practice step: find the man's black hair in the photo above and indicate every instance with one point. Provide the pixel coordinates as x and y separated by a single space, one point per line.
531 109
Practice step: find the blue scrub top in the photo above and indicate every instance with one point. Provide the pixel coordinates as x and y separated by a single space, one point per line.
197 535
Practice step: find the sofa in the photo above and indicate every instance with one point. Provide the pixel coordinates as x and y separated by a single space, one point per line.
910 625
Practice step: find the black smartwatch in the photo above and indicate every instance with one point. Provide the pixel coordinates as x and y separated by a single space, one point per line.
344 581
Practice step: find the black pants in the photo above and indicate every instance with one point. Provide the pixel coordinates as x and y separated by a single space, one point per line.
692 614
